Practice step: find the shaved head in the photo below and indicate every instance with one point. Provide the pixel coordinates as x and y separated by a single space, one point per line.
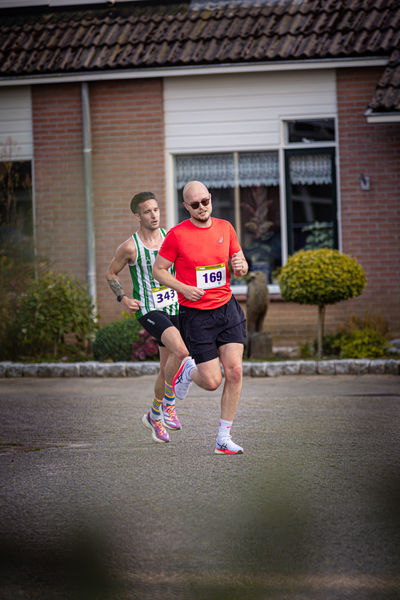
192 188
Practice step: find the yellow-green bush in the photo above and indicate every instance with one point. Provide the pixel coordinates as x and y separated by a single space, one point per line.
364 343
321 277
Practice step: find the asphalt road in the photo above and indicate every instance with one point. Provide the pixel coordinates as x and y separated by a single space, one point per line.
91 508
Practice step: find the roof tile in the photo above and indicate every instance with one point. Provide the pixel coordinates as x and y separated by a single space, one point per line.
307 46
142 35
248 49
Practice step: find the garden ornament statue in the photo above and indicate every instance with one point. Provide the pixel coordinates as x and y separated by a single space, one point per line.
259 343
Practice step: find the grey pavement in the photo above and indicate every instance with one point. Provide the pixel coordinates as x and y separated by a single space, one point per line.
92 508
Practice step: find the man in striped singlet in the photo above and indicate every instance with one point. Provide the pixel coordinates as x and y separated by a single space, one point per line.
155 307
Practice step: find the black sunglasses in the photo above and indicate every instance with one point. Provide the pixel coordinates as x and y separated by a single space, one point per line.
195 205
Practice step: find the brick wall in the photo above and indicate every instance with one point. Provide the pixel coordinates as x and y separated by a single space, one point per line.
370 219
290 324
127 157
59 176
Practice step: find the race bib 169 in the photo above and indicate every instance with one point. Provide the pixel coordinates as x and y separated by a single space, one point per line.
211 276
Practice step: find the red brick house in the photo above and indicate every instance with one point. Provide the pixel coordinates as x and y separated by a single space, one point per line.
288 111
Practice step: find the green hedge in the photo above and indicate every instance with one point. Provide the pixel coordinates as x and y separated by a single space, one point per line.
115 340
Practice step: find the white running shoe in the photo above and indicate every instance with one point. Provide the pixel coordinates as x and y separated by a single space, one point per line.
227 446
182 380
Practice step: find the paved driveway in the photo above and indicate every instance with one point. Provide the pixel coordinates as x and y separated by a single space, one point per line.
91 508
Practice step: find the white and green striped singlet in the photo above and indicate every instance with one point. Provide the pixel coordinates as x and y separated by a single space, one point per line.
143 280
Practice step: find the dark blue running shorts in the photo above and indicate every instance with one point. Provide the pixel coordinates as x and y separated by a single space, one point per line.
156 322
204 331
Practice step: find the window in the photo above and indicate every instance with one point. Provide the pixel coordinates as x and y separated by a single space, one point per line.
311 199
245 191
310 131
16 219
310 176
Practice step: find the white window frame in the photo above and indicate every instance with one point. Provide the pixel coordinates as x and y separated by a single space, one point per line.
171 193
284 145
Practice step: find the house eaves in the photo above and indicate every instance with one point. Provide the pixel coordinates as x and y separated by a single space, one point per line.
190 71
388 117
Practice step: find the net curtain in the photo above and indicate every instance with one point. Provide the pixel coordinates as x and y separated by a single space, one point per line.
309 169
254 169
218 170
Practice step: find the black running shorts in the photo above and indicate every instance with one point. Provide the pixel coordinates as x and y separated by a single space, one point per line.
156 322
204 331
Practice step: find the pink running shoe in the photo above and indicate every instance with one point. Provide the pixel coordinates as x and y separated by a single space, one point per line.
169 417
158 432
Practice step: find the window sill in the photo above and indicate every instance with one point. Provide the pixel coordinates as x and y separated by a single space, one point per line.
240 292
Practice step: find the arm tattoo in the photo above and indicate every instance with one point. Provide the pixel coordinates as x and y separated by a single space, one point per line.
116 286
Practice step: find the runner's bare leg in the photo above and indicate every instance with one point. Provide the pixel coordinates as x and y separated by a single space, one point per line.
208 376
231 356
159 386
171 338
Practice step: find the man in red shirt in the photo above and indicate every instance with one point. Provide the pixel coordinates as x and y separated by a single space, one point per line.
212 322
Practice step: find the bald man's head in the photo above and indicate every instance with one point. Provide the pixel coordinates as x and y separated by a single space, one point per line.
194 188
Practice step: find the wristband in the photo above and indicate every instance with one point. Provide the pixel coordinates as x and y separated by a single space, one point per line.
119 298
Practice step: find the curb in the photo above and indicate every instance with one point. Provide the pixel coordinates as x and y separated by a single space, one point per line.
266 369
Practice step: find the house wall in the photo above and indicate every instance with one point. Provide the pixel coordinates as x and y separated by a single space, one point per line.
370 220
127 157
241 112
59 177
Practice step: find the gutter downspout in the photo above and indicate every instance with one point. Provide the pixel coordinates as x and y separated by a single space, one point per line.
87 157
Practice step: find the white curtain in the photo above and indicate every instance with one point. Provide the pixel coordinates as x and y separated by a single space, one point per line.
218 170
214 170
258 168
309 169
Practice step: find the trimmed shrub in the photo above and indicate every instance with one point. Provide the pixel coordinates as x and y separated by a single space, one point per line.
321 277
55 305
115 340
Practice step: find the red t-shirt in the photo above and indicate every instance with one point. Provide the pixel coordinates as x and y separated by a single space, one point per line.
208 250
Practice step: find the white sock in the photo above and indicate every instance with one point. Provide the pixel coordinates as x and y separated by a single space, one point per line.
224 429
189 369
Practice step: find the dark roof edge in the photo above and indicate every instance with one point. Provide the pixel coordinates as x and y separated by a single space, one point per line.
324 63
382 117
